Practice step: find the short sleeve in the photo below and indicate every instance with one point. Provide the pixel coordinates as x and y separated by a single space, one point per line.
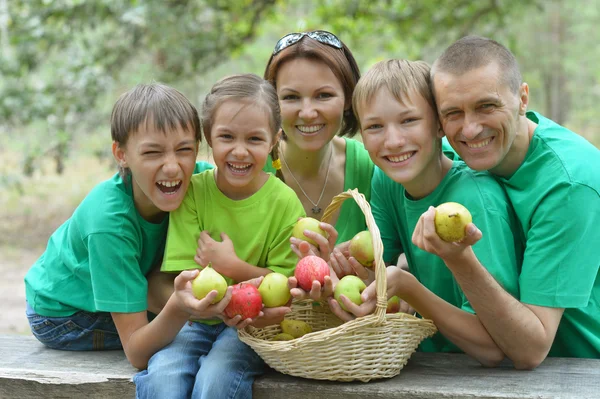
562 259
182 236
118 284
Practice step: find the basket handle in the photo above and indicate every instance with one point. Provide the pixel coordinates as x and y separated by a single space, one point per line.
380 269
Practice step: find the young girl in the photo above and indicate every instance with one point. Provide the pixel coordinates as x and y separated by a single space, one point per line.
239 219
88 289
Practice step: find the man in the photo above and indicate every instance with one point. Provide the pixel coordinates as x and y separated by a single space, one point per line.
552 178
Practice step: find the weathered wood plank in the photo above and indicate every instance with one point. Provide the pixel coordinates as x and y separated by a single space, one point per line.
27 369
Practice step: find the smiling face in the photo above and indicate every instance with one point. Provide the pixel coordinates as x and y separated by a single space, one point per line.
481 116
402 138
161 166
241 138
312 102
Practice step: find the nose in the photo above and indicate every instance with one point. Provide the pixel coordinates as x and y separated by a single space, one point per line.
307 110
240 151
471 126
171 166
394 138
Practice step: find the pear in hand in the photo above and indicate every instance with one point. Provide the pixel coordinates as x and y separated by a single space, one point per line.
209 279
451 219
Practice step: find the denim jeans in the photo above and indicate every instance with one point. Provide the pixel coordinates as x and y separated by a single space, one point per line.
204 361
82 331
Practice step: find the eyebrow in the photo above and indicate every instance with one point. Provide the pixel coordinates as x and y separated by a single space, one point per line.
156 145
398 114
225 129
324 87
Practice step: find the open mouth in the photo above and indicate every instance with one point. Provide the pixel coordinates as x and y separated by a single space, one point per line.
169 187
239 169
309 129
401 157
479 144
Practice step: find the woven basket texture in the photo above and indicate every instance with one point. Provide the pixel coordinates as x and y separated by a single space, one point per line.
370 347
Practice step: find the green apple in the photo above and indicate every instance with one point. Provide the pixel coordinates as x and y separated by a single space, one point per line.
274 290
351 287
209 279
307 223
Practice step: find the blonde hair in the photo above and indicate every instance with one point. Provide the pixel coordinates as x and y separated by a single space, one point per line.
401 77
246 87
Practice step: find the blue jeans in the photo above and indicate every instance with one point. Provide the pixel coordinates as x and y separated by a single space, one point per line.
204 361
82 331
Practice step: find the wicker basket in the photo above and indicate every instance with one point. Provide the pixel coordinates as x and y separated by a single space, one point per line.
370 347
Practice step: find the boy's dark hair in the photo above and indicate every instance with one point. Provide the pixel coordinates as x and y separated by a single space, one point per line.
340 61
472 52
153 105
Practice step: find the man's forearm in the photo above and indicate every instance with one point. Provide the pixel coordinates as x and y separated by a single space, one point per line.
515 328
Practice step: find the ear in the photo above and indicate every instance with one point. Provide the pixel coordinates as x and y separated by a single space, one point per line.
119 154
523 98
440 132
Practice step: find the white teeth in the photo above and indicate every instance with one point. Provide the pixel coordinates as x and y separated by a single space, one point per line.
309 128
240 166
479 144
400 158
168 183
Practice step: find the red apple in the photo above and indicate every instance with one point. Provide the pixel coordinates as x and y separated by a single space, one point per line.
311 268
245 301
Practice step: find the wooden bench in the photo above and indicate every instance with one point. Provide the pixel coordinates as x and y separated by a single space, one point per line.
29 370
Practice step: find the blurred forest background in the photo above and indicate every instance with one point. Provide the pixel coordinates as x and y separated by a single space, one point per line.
63 63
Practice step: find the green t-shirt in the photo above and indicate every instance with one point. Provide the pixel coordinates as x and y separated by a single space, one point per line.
499 251
98 259
260 226
358 174
556 196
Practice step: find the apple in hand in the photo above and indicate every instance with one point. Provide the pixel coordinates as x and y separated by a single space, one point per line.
274 290
245 301
361 248
311 268
208 280
307 223
393 305
351 287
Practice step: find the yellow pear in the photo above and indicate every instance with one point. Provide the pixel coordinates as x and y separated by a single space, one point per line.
451 218
295 328
282 337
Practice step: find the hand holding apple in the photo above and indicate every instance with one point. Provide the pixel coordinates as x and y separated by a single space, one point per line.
316 293
208 280
274 290
361 248
194 307
309 269
311 242
350 287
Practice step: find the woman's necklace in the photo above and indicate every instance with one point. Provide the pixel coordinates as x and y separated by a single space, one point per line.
315 209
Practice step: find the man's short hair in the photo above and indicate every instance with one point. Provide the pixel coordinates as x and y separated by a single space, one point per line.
472 52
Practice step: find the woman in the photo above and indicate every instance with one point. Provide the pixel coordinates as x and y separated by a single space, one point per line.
314 74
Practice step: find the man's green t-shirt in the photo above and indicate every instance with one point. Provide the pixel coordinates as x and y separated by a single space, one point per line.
260 226
358 174
98 259
556 196
499 251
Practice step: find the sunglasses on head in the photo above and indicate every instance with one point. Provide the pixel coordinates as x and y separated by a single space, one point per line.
322 36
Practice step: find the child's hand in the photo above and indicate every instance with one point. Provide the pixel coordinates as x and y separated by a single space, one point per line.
271 316
324 245
237 321
316 292
343 264
198 308
426 238
219 254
